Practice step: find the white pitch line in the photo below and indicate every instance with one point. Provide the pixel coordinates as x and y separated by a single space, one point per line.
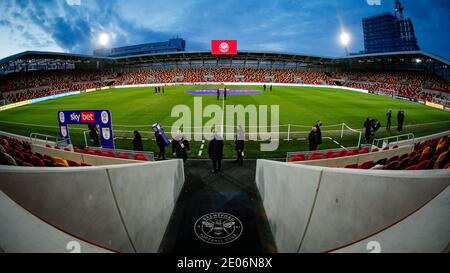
223 114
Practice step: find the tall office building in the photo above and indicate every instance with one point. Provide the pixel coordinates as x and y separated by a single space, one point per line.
389 32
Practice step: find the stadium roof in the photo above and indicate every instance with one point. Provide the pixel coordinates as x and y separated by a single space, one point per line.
397 57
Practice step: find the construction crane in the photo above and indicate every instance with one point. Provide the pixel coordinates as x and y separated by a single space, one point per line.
399 9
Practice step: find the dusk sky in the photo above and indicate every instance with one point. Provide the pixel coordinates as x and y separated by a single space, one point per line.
296 26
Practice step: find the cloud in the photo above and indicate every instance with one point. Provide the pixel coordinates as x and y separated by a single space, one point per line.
308 27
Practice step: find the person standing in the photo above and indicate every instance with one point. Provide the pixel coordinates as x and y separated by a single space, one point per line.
265 87
270 88
161 145
163 90
368 126
319 131
400 120
156 90
224 93
215 151
218 94
389 118
239 142
137 142
313 139
93 134
180 146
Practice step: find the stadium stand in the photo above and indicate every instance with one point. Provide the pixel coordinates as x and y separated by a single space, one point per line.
19 153
409 85
430 154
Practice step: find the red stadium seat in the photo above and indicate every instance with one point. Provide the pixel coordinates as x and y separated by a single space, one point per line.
422 165
366 165
72 163
85 164
123 156
351 166
343 153
364 151
67 149
37 161
375 150
140 157
392 159
314 154
386 148
404 164
403 156
392 165
48 146
315 157
297 158
395 147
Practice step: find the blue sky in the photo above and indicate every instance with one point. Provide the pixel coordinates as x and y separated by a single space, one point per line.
297 26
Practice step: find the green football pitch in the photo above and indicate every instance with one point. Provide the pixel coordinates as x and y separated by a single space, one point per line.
138 108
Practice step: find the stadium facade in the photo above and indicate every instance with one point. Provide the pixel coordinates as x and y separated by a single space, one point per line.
172 45
396 61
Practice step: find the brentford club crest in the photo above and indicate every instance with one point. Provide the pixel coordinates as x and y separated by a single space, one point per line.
218 228
224 47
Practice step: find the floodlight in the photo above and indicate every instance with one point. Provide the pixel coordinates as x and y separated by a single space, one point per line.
103 39
345 39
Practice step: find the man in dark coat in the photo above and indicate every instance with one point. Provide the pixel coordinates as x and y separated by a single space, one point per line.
400 120
239 142
180 146
319 131
161 145
265 87
137 142
93 134
215 152
389 118
224 94
368 126
218 93
313 139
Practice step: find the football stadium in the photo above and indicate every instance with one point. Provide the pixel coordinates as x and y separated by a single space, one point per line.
152 148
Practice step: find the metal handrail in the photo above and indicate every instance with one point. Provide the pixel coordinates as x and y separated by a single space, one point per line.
397 138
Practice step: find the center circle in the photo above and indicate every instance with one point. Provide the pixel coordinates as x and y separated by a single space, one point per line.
231 91
218 228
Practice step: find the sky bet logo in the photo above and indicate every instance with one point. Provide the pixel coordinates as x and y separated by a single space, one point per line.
86 117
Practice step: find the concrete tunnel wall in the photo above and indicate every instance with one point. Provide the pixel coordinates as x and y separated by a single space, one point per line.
316 209
425 231
23 232
123 207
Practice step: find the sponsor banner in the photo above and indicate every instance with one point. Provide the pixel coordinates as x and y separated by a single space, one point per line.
435 105
158 128
55 96
91 117
14 105
224 47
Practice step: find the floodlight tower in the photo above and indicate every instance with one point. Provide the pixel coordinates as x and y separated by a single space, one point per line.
399 9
